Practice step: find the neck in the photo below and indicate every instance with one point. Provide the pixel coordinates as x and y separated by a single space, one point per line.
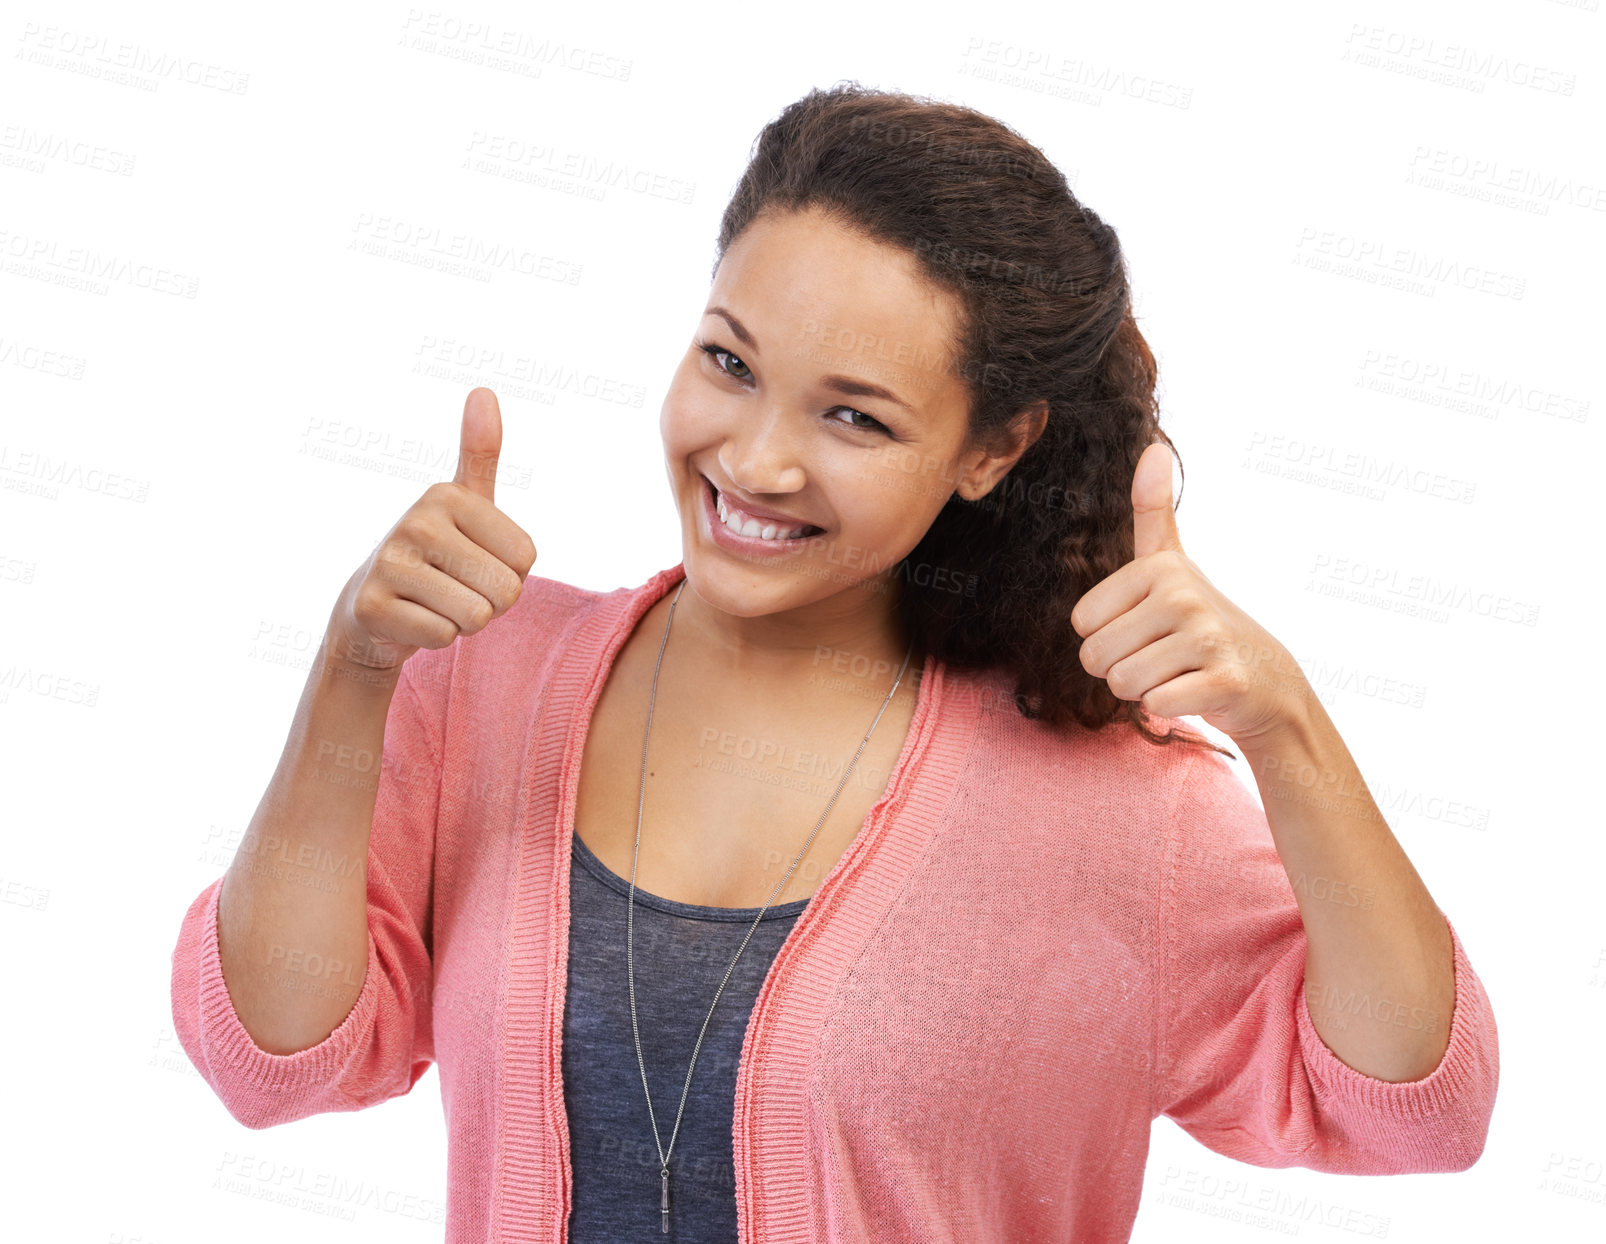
852 632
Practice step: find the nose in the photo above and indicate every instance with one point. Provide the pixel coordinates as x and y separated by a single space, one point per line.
762 458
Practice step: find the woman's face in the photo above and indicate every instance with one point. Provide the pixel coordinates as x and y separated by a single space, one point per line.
772 406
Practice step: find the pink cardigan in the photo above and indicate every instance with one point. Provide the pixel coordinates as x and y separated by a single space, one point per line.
1034 947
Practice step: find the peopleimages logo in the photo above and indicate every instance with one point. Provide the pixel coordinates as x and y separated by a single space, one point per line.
1379 261
85 268
460 254
31 149
127 64
429 30
1451 64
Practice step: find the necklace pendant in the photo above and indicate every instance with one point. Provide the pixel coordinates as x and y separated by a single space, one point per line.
663 1203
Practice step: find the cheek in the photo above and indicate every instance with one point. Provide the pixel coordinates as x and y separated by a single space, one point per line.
690 414
892 504
874 507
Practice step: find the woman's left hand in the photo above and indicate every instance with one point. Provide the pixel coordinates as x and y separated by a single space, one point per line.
1162 634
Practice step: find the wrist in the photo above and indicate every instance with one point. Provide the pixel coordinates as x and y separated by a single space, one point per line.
338 670
1289 735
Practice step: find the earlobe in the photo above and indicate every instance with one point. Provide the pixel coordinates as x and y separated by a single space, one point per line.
973 490
967 488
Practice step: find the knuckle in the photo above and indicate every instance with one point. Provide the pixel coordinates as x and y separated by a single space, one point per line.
365 602
445 632
413 528
397 555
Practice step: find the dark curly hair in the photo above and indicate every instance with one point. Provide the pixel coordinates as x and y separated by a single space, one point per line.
1047 320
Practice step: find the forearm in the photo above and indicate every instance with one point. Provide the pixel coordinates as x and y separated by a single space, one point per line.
292 918
1379 972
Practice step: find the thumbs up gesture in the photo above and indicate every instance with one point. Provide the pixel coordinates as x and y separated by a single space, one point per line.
450 565
1162 634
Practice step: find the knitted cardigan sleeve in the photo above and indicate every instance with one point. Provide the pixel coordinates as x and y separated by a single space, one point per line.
1242 1068
385 1043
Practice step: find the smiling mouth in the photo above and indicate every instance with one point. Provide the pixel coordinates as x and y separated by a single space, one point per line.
752 528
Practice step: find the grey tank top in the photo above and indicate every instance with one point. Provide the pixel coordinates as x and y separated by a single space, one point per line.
680 954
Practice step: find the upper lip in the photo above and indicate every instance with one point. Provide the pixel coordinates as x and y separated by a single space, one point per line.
760 511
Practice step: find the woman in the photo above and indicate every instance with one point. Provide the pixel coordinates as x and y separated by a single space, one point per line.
872 814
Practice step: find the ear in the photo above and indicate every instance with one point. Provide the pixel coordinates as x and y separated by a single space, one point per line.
983 469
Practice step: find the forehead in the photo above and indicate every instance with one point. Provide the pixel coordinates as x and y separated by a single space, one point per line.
806 283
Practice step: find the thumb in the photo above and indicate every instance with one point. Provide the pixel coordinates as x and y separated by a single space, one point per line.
1154 520
481 444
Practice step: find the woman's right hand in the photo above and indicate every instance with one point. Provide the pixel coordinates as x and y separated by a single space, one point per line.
449 566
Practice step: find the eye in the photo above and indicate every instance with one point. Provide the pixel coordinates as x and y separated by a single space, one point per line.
714 352
874 425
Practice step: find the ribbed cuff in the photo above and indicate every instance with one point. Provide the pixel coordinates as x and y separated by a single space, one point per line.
1439 1091
227 1043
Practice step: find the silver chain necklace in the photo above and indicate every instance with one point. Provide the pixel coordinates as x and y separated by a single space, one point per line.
630 918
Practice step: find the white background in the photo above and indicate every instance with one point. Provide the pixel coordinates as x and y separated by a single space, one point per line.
200 447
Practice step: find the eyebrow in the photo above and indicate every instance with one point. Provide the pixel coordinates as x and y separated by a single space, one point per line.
848 385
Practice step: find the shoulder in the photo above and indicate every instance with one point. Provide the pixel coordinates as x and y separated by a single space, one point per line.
509 664
550 618
1068 812
1028 747
542 592
1113 774
547 608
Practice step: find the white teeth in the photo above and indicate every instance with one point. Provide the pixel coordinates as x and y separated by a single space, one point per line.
750 527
